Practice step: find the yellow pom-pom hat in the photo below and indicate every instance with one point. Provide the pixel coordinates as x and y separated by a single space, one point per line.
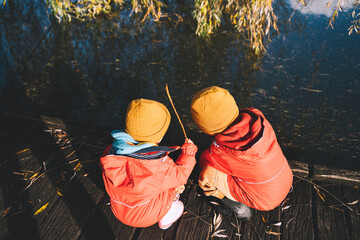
213 109
147 120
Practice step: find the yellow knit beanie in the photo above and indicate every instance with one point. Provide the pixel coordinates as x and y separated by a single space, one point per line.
147 120
213 109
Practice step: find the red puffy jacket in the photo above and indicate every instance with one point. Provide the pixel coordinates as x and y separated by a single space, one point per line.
258 172
142 191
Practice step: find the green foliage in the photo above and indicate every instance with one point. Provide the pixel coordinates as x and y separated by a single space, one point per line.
65 10
150 7
207 14
355 24
252 17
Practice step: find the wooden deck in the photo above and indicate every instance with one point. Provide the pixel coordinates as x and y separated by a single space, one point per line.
51 188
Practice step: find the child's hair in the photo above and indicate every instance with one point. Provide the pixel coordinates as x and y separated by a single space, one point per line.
147 120
213 109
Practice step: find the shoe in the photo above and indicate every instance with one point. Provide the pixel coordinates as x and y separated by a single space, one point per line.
175 212
241 210
219 206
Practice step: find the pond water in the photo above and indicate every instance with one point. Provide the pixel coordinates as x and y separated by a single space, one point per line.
307 83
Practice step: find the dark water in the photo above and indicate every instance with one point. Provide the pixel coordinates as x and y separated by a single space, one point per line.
307 83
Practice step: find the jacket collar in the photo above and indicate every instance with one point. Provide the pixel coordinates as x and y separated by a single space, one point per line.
244 134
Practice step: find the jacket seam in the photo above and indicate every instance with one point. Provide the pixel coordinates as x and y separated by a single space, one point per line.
266 180
137 205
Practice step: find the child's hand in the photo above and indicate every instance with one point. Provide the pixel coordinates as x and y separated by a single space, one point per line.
180 189
189 148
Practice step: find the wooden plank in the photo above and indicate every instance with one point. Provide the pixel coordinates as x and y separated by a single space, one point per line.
227 223
351 197
230 226
67 216
153 232
64 216
258 226
195 224
299 168
224 224
21 221
210 219
330 215
21 226
73 209
104 225
16 214
296 213
59 223
322 173
16 207
83 211
4 231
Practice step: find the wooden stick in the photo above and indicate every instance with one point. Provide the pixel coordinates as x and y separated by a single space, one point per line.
318 186
177 115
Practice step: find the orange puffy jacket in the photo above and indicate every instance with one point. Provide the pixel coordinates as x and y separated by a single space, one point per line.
141 191
258 172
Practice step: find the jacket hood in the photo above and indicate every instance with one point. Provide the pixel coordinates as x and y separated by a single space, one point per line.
244 134
251 139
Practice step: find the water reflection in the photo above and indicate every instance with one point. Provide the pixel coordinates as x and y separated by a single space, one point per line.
320 7
307 83
315 79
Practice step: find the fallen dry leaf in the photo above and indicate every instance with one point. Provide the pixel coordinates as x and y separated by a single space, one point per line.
24 150
41 209
354 202
273 233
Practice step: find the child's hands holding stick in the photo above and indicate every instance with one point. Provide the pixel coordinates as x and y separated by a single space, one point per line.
189 148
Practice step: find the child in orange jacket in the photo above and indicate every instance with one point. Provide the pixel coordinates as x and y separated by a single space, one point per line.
244 166
143 182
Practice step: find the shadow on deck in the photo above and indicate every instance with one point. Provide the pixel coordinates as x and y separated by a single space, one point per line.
51 188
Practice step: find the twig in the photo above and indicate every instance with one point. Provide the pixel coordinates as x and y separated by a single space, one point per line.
295 8
237 226
198 217
342 203
51 169
94 146
287 224
172 104
258 235
334 206
70 154
192 218
92 160
336 177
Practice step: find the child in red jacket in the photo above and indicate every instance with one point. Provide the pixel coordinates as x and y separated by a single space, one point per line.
143 182
244 166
